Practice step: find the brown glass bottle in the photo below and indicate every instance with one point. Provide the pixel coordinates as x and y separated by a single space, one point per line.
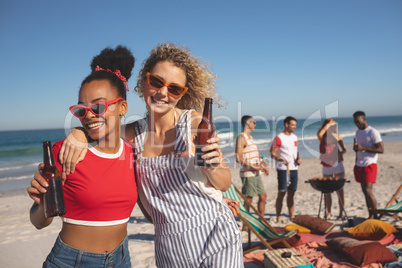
53 198
204 132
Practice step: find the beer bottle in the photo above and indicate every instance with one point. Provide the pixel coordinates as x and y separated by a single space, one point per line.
53 198
204 132
355 148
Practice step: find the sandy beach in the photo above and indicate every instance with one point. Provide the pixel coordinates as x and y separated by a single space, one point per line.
21 245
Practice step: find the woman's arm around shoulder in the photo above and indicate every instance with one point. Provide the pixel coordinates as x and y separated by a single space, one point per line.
73 150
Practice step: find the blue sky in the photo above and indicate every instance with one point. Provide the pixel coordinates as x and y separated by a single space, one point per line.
273 58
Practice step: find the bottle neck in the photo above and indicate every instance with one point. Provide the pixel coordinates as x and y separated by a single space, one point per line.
48 157
207 114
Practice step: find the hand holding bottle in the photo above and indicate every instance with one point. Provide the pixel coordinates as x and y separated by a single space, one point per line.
264 164
205 140
356 147
285 162
264 168
38 187
298 161
211 153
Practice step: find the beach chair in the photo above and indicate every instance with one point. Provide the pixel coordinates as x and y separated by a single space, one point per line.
267 234
390 209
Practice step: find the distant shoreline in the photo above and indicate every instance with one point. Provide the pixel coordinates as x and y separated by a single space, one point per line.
238 121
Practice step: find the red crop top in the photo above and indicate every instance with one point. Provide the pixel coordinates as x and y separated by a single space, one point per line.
102 190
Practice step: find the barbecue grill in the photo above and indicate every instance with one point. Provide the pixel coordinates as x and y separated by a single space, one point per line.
326 186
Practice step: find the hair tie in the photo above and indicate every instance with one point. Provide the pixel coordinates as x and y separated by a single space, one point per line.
117 73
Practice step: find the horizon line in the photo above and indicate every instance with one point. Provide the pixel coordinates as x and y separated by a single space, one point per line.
59 128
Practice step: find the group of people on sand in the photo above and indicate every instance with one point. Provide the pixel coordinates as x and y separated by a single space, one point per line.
367 145
109 168
283 150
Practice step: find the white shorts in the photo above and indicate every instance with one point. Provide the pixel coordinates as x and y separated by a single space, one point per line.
337 168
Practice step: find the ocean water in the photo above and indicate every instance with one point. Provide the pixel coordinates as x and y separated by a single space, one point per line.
21 151
20 154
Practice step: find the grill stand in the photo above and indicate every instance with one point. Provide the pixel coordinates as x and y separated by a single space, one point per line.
350 221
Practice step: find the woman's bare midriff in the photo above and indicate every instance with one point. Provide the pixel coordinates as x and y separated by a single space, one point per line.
98 239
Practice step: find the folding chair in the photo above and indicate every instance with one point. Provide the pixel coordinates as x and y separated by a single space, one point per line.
391 210
261 228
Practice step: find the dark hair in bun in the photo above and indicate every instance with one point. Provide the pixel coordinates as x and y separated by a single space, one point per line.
120 59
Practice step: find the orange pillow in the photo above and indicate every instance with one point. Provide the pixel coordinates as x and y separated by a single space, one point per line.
299 228
372 230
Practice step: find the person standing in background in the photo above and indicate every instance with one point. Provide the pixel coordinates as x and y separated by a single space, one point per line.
248 156
367 145
284 151
332 160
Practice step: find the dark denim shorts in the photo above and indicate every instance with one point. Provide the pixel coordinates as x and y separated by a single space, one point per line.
282 182
63 255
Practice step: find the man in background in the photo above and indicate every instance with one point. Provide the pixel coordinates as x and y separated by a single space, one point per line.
248 156
367 145
287 160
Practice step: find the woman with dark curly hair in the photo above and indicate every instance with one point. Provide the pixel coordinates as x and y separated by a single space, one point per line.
100 195
194 227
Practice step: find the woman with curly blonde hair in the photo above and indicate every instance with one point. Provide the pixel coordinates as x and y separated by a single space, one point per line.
200 80
184 201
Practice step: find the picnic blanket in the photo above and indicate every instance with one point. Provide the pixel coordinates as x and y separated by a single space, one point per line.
314 248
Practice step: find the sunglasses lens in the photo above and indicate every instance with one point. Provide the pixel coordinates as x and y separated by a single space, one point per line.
98 108
175 90
158 83
79 111
155 82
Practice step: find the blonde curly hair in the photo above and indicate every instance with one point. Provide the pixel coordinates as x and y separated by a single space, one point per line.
200 80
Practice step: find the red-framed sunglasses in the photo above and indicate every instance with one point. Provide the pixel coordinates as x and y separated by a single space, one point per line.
173 89
97 108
